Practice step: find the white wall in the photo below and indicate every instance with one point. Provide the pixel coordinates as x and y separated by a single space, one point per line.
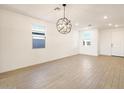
16 42
93 48
105 40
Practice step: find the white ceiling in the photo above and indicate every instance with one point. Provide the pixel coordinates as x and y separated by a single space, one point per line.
83 14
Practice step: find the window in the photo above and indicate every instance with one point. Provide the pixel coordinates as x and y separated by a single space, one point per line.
38 36
87 38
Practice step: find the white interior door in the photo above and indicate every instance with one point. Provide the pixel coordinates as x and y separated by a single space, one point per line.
117 43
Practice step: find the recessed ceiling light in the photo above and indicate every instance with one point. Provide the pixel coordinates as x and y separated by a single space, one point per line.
109 24
105 17
76 24
116 25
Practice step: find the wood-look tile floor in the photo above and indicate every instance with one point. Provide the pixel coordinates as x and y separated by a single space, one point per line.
73 72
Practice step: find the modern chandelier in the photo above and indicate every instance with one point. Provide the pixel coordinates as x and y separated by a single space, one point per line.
63 24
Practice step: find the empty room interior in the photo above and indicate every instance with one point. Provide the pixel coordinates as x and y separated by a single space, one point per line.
61 46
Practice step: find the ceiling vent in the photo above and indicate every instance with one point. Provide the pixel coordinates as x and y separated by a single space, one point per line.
57 9
89 25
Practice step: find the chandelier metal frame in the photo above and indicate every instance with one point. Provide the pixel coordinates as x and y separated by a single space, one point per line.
63 25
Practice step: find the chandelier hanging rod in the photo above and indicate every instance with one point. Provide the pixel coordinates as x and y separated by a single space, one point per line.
64 5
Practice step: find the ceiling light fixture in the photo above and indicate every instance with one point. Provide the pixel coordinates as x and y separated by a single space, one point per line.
64 25
105 17
76 24
116 25
109 24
